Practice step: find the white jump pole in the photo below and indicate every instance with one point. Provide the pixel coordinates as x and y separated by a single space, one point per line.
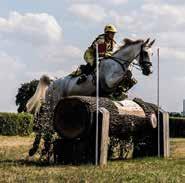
158 113
97 103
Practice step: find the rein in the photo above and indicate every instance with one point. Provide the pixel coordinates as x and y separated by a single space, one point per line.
119 61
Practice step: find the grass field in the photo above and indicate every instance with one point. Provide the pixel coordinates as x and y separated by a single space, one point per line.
15 168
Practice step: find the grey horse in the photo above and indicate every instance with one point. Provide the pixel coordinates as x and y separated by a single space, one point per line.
112 72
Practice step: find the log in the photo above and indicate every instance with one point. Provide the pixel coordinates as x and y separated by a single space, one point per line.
74 117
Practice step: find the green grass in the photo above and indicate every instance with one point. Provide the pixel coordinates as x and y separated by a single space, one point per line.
14 166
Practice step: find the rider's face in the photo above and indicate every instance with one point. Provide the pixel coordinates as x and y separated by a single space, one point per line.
110 35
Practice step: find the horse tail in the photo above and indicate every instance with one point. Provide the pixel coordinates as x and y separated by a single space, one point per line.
34 103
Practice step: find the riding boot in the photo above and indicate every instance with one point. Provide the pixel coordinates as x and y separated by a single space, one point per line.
82 79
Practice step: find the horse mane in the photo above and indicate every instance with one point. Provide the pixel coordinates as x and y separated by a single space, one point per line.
127 42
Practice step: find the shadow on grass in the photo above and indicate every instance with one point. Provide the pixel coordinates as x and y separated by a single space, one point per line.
36 163
39 163
26 162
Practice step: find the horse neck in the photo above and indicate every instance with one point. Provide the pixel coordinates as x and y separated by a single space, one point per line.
128 53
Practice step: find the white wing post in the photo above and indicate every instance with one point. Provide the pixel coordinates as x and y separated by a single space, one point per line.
97 103
158 114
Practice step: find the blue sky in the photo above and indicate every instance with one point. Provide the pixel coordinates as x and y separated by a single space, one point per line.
49 37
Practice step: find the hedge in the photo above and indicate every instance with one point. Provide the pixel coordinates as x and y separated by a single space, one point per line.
177 126
22 124
16 124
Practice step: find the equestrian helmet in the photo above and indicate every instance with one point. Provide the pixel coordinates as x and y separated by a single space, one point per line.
110 28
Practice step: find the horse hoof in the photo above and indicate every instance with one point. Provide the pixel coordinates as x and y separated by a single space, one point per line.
32 151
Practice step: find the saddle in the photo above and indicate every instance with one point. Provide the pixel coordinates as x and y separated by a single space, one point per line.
82 72
83 69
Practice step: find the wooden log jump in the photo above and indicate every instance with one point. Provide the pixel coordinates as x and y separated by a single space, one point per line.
75 122
74 117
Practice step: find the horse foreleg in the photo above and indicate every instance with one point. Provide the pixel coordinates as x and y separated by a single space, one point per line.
47 146
36 143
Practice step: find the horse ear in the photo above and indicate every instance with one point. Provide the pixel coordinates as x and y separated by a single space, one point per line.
151 43
146 42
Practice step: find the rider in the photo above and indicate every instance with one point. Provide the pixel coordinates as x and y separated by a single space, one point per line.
105 44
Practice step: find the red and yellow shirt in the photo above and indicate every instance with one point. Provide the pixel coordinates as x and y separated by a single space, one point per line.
105 47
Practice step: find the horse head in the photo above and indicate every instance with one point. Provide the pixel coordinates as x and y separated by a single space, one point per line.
144 59
139 50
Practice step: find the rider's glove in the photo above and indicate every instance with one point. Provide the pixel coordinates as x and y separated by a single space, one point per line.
108 54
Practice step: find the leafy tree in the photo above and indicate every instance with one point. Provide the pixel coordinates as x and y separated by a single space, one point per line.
25 92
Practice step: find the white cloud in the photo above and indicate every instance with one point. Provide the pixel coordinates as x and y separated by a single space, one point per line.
91 10
171 39
59 54
36 39
30 28
164 13
164 1
88 11
71 52
112 2
174 54
152 17
117 2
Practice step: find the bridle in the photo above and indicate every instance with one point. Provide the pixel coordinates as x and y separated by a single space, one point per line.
143 62
124 62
